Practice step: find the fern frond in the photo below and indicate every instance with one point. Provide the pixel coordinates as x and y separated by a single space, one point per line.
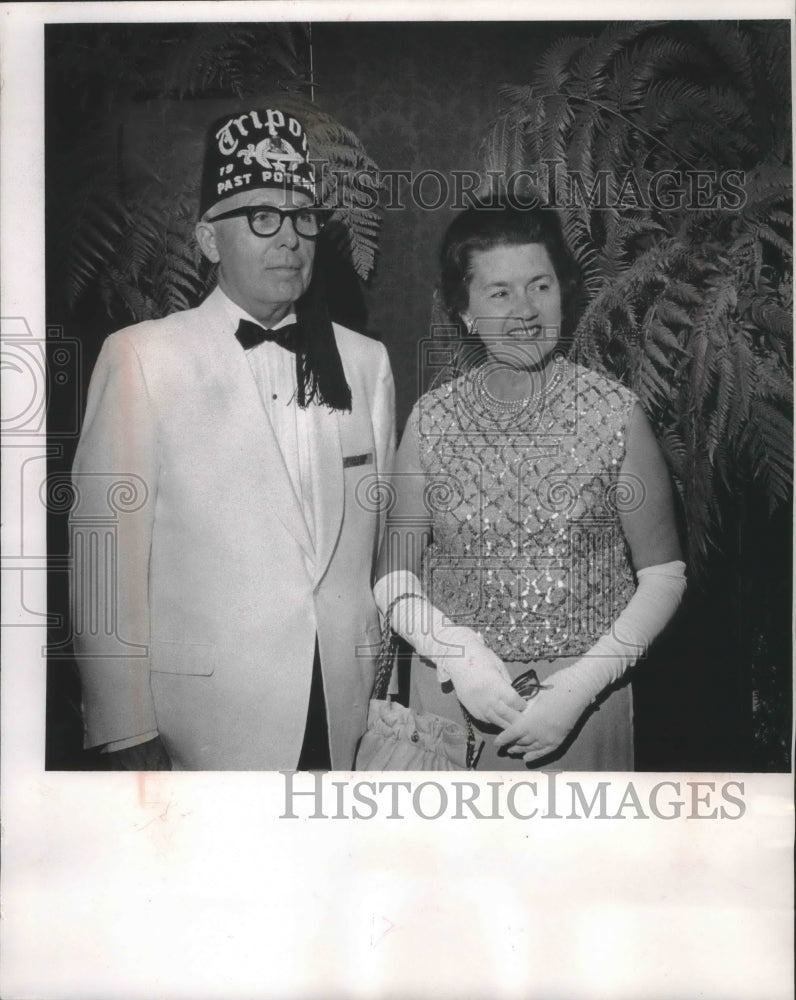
551 71
734 49
591 70
768 438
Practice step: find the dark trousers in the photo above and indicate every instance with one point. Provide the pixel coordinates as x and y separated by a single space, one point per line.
315 754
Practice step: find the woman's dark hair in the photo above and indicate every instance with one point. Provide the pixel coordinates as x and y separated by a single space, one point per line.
489 225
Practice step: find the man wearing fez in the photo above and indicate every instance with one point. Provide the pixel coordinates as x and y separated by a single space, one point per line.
252 431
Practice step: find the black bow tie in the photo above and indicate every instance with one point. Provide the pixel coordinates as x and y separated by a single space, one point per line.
251 335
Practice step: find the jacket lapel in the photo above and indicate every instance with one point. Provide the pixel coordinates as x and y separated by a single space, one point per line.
326 456
248 419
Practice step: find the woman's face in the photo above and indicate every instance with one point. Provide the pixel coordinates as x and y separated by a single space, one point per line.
515 303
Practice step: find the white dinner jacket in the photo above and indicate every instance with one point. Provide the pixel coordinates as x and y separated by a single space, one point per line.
198 592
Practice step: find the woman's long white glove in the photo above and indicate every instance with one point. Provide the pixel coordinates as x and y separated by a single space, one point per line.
481 681
551 715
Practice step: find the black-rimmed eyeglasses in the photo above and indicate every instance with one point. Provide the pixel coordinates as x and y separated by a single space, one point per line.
265 220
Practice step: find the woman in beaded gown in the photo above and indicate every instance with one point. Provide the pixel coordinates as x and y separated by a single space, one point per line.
531 545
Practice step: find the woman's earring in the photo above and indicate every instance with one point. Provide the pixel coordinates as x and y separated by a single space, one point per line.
470 327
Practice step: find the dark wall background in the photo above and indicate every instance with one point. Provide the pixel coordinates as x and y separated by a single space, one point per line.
420 96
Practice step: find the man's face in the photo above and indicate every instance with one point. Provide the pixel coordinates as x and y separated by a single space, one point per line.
264 275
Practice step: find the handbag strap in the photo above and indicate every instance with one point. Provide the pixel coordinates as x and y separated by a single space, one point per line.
387 650
386 658
385 663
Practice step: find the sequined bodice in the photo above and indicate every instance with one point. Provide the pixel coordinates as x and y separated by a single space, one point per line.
527 545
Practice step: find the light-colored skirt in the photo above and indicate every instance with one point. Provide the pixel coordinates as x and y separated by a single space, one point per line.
603 740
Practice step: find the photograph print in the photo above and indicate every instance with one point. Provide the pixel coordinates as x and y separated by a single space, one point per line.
419 396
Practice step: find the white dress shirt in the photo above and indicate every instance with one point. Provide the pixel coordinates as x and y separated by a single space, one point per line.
274 370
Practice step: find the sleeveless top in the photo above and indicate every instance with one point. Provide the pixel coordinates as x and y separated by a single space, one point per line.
527 546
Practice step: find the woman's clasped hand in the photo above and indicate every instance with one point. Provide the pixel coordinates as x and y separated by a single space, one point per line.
547 719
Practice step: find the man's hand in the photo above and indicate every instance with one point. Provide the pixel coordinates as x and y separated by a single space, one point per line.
149 756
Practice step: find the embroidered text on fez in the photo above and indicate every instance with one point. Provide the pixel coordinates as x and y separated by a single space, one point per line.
247 151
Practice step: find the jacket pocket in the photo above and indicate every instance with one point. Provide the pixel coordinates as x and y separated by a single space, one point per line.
373 637
195 658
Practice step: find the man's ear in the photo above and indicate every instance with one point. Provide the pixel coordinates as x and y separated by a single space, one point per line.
206 238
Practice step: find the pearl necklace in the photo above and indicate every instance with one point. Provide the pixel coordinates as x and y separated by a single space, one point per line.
513 407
